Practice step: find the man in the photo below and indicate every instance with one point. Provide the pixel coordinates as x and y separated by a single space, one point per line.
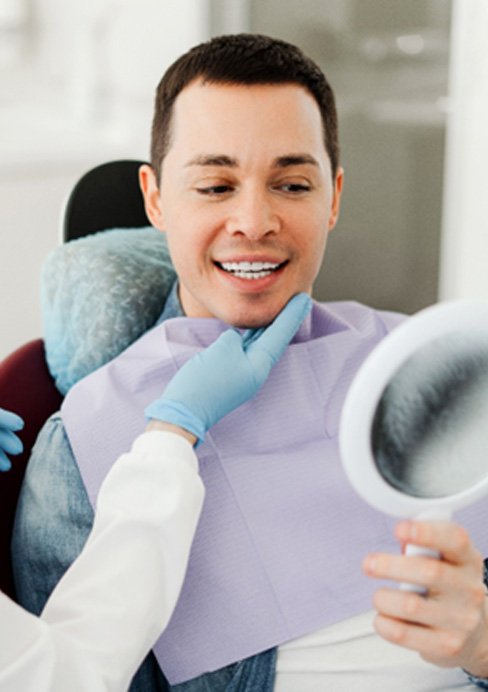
246 183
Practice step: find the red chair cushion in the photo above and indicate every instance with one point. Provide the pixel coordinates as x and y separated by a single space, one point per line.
26 387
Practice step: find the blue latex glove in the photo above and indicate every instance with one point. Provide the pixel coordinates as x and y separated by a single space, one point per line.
9 442
228 373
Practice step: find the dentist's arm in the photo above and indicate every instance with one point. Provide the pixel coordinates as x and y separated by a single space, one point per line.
109 608
112 604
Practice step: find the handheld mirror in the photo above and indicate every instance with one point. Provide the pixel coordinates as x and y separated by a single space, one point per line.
414 427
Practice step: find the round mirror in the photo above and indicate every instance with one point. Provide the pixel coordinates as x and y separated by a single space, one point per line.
414 427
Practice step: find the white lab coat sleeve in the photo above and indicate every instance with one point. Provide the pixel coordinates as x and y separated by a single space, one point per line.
109 608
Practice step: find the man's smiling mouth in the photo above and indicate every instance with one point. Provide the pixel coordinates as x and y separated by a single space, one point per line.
250 270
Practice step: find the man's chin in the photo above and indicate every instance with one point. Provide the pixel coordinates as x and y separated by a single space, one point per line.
254 319
241 311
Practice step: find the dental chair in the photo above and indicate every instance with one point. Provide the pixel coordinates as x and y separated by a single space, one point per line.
106 197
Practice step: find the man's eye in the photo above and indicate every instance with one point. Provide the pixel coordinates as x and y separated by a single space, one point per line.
214 190
294 188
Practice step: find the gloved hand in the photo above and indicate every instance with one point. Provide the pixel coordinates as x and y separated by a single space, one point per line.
9 442
228 373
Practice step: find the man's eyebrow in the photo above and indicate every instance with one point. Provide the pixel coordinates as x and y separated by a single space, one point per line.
229 162
213 160
294 160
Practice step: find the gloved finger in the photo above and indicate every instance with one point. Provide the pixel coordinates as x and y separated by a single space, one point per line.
10 443
281 331
10 420
5 464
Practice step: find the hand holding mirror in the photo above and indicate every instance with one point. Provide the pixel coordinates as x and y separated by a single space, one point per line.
414 427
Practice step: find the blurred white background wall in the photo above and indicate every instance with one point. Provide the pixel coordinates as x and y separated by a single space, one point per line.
76 88
464 248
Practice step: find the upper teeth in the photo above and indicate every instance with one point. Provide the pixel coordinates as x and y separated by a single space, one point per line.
249 266
250 270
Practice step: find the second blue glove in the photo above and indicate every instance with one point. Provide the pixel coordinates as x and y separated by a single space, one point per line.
9 442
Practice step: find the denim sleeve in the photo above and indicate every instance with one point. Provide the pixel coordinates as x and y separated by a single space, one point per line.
54 517
53 520
482 683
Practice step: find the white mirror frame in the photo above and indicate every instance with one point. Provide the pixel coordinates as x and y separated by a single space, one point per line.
366 391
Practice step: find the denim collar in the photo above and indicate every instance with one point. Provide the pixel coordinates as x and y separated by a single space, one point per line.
172 306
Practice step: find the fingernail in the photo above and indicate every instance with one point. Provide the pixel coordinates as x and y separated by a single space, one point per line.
405 531
370 564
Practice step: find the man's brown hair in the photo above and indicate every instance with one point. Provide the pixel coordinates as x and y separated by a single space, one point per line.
242 59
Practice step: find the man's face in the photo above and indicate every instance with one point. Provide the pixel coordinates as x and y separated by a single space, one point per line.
246 199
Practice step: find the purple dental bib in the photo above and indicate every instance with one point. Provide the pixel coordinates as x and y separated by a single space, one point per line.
279 546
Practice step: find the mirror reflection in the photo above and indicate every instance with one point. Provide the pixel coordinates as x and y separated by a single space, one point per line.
430 428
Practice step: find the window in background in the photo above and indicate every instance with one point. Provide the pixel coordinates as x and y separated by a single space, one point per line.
388 63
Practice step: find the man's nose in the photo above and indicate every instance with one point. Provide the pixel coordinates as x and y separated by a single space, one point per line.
253 216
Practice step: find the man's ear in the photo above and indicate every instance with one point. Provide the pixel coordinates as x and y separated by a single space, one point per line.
336 199
152 198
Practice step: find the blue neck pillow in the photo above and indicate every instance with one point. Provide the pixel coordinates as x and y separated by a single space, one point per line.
98 295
